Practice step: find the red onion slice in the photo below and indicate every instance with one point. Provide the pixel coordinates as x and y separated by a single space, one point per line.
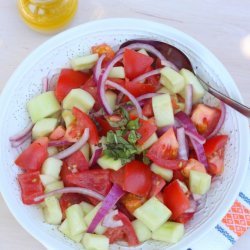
66 190
15 144
102 81
23 133
147 96
142 77
181 138
189 127
197 197
221 120
169 64
188 98
75 147
130 96
200 152
45 82
192 206
98 68
110 200
161 131
109 220
95 156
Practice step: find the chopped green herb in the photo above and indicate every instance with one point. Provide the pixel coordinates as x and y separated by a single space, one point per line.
133 136
145 159
133 124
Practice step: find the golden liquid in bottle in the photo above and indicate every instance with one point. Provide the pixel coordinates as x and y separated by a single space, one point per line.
47 15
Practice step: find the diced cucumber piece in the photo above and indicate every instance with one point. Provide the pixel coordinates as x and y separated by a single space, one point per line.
42 106
143 51
68 117
95 242
172 80
90 216
109 163
142 232
148 143
86 207
64 228
44 127
166 174
152 213
84 62
190 78
199 182
163 110
75 217
52 167
79 98
54 186
52 151
52 211
117 72
47 179
170 232
111 98
86 151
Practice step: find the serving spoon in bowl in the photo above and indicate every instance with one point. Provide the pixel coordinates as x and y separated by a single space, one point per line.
180 60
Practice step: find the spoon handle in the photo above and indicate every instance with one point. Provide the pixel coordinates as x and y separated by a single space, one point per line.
229 101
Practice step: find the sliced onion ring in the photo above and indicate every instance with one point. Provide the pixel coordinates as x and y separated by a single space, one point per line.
147 96
169 64
98 68
200 152
23 133
142 77
45 82
67 190
188 98
183 150
95 156
221 120
75 147
110 200
130 96
109 220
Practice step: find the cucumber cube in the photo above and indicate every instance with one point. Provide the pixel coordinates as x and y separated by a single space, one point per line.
172 80
111 98
190 78
170 232
148 143
86 207
84 62
68 117
52 167
142 232
117 72
64 228
90 216
44 127
42 106
166 174
86 151
106 162
95 242
52 151
54 186
80 99
52 211
47 179
75 217
163 110
152 213
199 182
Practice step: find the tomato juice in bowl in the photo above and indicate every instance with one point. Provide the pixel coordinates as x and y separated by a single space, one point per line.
59 56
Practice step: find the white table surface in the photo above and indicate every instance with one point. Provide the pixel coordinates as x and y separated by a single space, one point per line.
221 25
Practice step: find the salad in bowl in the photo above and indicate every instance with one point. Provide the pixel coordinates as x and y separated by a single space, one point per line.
122 146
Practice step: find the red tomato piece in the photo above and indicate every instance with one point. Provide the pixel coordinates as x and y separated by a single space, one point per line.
157 185
146 130
215 143
67 200
125 232
32 158
97 180
117 176
78 161
136 63
205 118
137 178
104 126
193 164
147 109
68 80
184 218
65 171
175 199
58 133
177 175
104 49
132 201
31 187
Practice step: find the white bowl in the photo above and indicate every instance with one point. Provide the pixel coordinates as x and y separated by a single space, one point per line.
55 53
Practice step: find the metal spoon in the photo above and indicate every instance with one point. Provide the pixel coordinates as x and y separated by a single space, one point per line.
177 57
